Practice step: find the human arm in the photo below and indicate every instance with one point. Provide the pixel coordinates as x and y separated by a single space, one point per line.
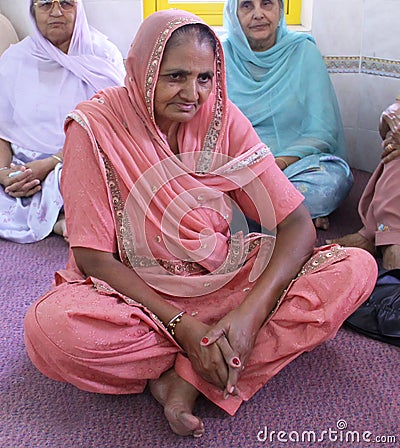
294 244
5 153
42 167
21 184
93 238
284 161
29 176
389 129
5 161
208 363
390 119
274 202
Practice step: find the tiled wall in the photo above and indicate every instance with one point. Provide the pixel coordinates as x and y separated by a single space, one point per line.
358 38
361 44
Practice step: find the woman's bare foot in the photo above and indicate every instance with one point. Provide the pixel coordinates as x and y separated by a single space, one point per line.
355 240
391 256
60 227
178 398
322 223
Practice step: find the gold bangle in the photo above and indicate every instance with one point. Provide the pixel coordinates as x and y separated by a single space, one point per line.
284 161
171 325
59 159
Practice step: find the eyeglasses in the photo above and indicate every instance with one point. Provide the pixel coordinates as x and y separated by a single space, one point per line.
47 5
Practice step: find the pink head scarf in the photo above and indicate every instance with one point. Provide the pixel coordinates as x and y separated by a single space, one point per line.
159 193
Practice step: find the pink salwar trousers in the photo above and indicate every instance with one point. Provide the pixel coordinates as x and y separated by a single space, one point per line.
83 333
380 204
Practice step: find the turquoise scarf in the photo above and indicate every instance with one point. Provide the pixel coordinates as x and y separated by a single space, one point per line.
285 91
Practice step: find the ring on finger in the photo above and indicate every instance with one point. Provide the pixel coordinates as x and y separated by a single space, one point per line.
236 361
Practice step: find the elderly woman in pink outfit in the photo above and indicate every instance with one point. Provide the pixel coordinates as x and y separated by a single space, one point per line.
380 203
166 285
42 78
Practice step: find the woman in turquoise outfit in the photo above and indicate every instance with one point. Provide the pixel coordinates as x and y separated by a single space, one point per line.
279 80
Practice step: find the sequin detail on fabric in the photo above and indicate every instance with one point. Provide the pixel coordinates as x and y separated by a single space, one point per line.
215 128
155 59
74 116
254 158
323 257
124 232
383 228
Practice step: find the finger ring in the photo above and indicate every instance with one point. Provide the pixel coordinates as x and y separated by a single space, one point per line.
236 361
14 173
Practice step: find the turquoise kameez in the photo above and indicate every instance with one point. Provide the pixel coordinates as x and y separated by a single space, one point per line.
287 94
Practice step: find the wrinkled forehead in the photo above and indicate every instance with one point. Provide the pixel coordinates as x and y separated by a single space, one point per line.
155 33
237 3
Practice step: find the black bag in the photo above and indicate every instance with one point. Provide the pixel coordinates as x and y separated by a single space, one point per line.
379 316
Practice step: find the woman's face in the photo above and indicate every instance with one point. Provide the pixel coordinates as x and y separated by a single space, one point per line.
184 83
259 20
56 25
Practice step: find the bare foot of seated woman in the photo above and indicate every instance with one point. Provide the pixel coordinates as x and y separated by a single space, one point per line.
322 222
355 240
391 256
178 398
60 227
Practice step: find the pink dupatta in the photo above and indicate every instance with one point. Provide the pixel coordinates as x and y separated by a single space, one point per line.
172 213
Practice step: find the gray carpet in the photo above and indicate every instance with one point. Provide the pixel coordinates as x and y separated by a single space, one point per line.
342 389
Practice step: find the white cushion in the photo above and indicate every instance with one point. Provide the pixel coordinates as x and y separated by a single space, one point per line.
8 34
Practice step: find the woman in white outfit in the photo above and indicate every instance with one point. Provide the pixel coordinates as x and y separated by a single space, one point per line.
42 78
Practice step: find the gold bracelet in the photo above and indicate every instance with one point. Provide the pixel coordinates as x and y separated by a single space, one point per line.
59 159
171 325
284 161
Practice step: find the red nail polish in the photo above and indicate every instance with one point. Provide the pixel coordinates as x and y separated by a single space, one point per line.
204 340
236 361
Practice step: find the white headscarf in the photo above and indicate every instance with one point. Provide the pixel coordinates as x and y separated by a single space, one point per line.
39 84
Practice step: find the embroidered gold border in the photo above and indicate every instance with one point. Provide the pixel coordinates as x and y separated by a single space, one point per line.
124 232
125 236
155 59
215 127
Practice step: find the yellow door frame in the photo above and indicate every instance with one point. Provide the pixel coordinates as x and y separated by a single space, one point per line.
212 12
